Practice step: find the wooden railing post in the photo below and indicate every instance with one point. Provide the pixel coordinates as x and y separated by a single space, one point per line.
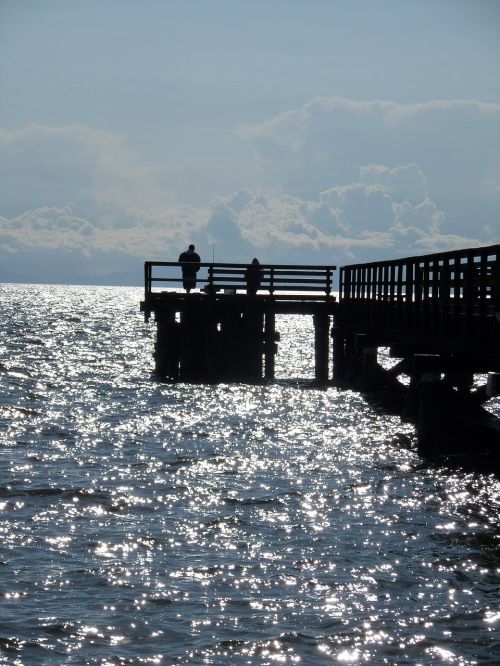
328 288
483 293
495 297
147 279
341 283
445 295
469 296
211 279
347 283
495 281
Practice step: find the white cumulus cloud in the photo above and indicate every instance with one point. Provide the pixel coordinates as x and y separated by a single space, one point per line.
348 181
53 166
326 142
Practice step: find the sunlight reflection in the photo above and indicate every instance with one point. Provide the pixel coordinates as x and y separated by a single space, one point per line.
278 522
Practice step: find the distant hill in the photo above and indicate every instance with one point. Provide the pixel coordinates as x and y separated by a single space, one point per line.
5 276
133 278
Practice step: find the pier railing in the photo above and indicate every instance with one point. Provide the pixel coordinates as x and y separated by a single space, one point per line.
454 296
231 278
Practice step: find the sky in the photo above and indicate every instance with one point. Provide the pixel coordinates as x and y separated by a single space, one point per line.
296 131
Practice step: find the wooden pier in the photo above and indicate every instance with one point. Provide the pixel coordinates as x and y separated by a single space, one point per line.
226 331
439 315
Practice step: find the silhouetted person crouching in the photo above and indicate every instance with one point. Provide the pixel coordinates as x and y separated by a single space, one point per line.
190 261
253 276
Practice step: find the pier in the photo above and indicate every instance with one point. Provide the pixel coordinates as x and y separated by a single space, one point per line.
438 314
446 303
226 330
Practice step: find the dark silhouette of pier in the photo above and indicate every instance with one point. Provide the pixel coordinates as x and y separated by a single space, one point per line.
446 303
439 314
226 331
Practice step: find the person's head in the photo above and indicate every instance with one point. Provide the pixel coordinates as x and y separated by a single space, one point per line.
191 247
255 261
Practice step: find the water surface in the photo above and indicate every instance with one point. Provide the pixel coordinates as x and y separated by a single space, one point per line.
144 522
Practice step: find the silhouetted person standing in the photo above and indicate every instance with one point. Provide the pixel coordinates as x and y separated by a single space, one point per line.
253 275
189 271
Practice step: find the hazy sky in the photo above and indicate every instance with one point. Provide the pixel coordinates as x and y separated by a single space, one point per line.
298 130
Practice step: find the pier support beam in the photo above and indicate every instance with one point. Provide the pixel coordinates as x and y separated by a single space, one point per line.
270 346
429 415
252 343
230 344
354 357
166 352
422 363
210 343
369 369
321 325
339 360
493 384
193 331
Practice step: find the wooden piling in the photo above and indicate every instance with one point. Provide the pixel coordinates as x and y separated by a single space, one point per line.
321 325
230 359
369 369
166 352
210 341
429 424
270 346
339 359
192 333
354 353
422 363
252 341
493 384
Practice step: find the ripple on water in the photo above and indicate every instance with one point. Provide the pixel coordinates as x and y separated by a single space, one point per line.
149 523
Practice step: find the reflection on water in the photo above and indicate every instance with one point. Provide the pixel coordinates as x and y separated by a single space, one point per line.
148 523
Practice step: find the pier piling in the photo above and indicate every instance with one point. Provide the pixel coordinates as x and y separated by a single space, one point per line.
270 344
339 360
321 332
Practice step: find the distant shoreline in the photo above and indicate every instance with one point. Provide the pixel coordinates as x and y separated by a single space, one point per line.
126 279
58 283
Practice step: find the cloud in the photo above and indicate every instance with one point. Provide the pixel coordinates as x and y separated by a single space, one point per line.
386 212
302 132
79 191
44 238
78 165
353 189
407 182
325 142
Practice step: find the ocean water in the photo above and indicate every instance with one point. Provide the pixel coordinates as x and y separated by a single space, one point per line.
148 523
